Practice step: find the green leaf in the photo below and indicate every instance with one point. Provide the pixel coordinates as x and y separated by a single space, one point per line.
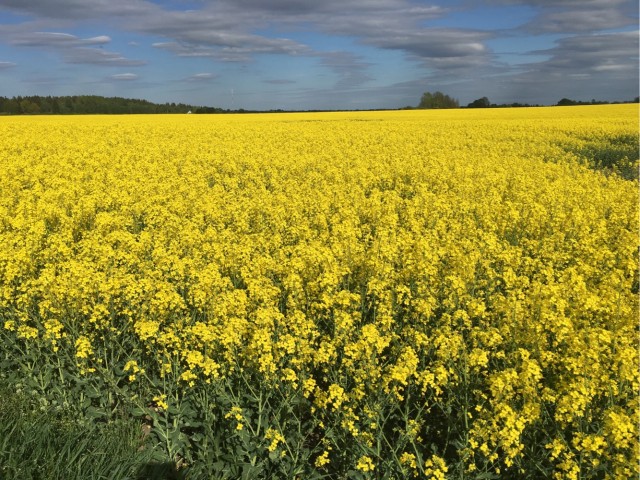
94 413
487 476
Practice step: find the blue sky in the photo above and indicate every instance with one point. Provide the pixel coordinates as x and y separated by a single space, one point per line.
333 54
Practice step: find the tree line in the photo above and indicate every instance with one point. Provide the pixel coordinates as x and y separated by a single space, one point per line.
439 100
567 102
90 104
96 104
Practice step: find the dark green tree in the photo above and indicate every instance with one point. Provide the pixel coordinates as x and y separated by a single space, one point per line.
480 103
565 101
29 107
437 100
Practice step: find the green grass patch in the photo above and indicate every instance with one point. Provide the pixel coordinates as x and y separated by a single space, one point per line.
50 443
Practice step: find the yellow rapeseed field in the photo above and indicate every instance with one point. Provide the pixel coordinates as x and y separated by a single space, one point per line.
358 295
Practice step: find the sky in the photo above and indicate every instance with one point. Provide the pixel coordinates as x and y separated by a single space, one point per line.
326 54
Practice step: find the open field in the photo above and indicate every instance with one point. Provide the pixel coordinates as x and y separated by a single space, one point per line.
439 294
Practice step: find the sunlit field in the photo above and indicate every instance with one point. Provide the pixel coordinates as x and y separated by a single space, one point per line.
429 294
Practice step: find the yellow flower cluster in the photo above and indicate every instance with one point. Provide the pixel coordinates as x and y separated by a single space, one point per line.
236 414
413 254
133 369
275 438
365 464
436 468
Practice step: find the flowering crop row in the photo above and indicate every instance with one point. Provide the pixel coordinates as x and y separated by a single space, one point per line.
380 294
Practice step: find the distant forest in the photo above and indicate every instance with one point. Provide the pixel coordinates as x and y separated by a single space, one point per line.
439 100
88 104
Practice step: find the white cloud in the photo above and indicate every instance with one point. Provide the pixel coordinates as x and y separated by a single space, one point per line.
100 39
591 53
584 20
81 9
98 56
201 77
56 39
576 16
233 47
124 76
223 30
73 49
